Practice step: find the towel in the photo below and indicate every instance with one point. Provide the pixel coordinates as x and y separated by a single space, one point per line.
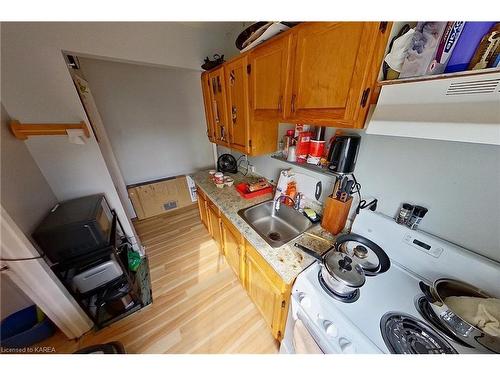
483 313
302 340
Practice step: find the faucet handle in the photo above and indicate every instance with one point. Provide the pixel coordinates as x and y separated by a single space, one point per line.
298 198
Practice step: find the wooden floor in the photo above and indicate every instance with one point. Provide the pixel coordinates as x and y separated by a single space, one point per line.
199 304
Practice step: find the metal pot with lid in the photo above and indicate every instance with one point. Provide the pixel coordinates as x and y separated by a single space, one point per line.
371 257
436 295
340 272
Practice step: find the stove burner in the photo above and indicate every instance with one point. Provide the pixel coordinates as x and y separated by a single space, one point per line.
349 298
405 334
430 316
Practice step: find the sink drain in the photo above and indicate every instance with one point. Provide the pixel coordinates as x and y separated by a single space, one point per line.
275 236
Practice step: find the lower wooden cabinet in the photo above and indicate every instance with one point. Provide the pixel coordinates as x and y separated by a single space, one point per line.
264 286
234 246
267 290
215 225
202 208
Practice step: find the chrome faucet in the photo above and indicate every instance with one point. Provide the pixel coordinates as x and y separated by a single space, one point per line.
277 202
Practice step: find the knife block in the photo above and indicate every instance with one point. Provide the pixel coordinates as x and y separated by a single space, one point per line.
335 214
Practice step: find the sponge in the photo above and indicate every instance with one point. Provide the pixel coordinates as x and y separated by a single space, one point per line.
310 213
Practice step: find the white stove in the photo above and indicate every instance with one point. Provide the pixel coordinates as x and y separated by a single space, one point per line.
339 327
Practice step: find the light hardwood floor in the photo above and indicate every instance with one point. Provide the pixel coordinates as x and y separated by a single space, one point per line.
199 304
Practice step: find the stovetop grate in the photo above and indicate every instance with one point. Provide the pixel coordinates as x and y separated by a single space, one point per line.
405 334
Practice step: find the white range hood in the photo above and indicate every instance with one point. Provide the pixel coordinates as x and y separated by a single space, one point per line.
463 109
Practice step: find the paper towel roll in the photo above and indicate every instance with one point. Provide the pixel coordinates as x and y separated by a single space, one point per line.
76 136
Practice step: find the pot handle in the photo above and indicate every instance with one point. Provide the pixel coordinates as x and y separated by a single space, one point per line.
309 251
426 289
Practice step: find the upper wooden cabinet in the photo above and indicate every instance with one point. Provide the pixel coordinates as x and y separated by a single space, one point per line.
333 72
205 89
218 105
236 79
319 73
269 70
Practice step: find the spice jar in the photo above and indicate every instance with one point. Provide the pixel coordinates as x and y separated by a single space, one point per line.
404 214
416 217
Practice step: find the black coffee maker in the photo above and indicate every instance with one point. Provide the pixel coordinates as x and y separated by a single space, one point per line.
343 153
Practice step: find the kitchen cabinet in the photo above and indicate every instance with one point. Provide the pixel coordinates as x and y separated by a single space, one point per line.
320 73
205 89
333 73
267 290
218 106
215 225
203 208
236 80
234 246
265 287
268 70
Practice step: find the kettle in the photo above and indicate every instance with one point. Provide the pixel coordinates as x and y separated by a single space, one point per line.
343 153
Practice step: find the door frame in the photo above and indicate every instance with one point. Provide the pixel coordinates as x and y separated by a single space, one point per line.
35 278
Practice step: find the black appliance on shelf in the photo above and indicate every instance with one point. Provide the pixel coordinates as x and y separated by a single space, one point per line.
85 241
343 153
226 163
74 228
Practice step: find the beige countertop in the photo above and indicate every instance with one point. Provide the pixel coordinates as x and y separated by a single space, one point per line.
286 260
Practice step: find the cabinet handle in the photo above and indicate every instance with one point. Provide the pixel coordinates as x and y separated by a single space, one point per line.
219 86
280 100
293 102
232 77
214 86
233 113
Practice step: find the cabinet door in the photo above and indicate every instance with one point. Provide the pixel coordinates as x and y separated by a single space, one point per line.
202 207
268 72
215 226
331 66
218 97
266 291
232 246
237 103
205 89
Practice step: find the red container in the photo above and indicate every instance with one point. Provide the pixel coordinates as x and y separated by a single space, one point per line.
317 148
242 188
303 143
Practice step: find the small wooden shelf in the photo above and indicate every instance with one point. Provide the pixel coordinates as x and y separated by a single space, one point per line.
465 73
311 167
23 131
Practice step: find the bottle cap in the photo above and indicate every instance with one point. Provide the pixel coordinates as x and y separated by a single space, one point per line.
407 206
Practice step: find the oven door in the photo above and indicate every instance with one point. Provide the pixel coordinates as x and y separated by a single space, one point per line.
300 336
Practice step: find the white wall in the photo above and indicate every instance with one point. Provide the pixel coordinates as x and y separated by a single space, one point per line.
26 196
458 182
36 85
154 118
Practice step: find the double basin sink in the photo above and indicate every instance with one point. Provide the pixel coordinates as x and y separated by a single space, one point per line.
277 227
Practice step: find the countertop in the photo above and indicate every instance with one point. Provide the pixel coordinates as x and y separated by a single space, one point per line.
286 260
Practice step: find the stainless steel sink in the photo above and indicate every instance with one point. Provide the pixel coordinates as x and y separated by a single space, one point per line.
276 227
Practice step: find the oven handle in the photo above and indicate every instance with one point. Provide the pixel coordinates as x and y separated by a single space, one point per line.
310 332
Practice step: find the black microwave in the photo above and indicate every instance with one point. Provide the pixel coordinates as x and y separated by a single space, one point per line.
75 228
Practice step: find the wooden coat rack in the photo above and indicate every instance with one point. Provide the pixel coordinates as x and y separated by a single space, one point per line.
23 131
